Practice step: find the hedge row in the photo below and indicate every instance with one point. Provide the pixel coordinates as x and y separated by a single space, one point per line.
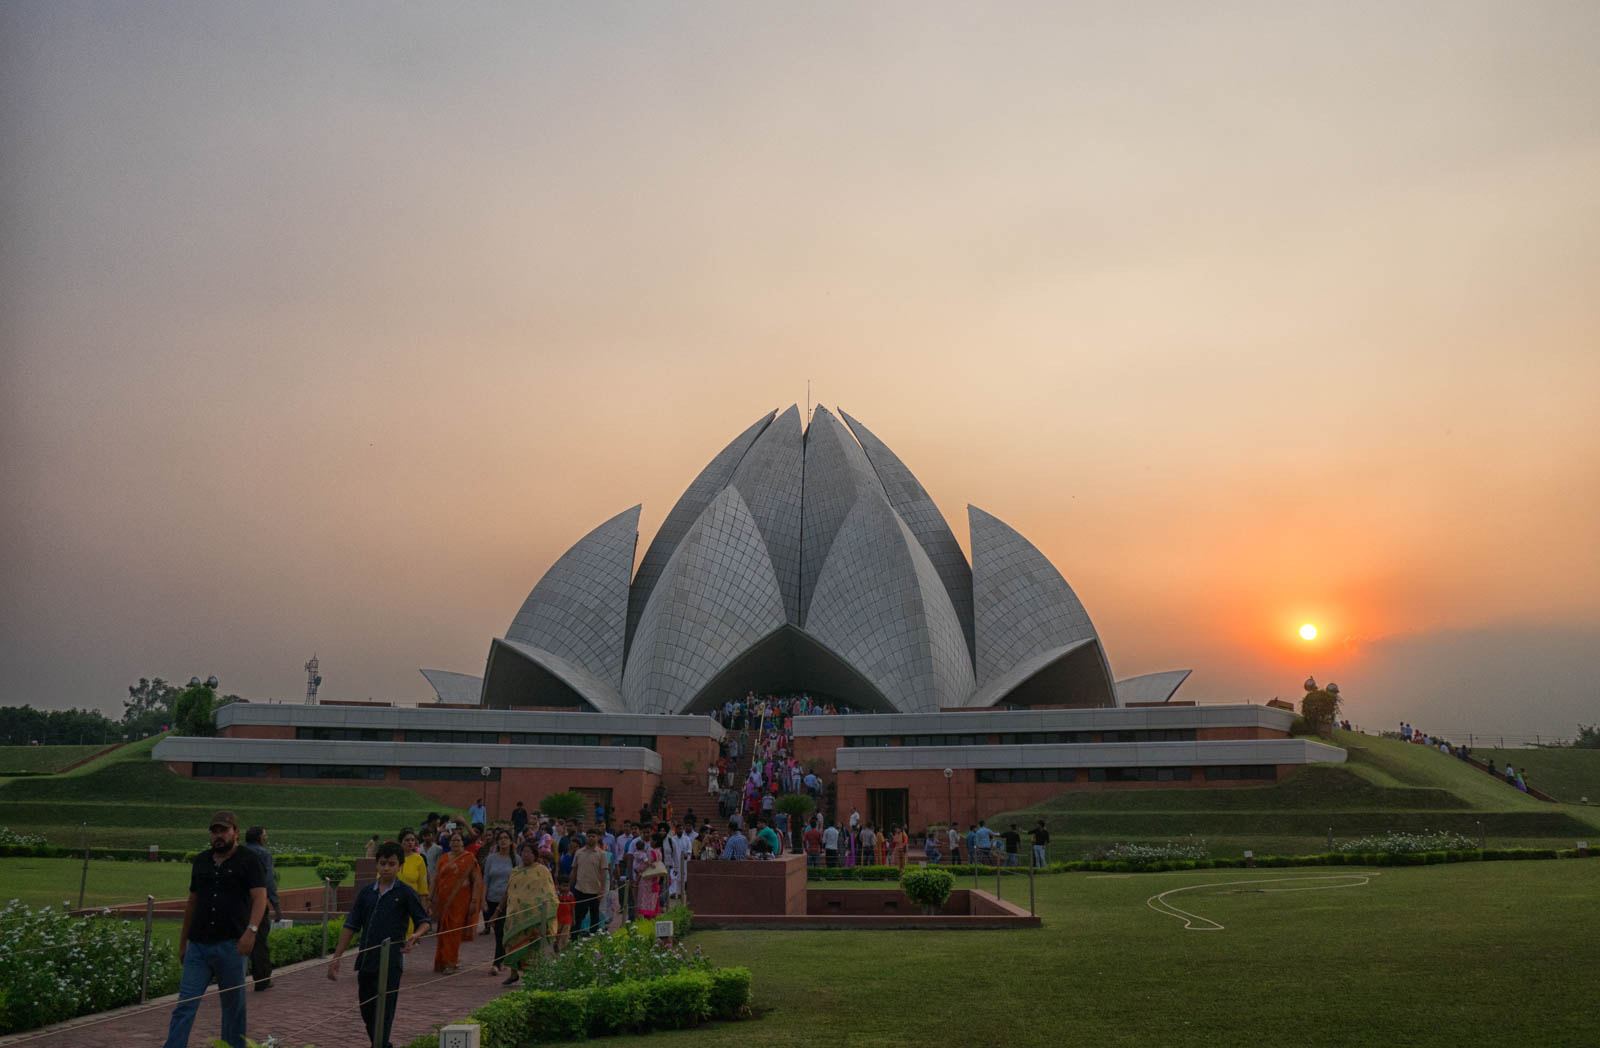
672 1002
57 851
302 942
892 873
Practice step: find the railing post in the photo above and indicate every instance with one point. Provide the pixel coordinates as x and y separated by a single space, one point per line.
324 918
378 1038
997 879
144 970
1031 911
83 882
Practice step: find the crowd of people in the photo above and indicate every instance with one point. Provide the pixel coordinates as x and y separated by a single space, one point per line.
1512 776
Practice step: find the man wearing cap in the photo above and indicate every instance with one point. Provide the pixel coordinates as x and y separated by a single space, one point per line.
227 901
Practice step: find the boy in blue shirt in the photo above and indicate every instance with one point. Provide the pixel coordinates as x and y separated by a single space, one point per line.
380 912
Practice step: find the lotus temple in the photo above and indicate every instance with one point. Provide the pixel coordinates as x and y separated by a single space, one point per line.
804 558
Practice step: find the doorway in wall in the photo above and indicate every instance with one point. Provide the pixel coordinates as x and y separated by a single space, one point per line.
887 808
593 796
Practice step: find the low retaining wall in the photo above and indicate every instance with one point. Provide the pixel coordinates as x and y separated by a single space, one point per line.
751 886
881 909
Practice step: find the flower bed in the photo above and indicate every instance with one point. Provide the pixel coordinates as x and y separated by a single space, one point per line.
666 1002
613 984
54 966
1409 843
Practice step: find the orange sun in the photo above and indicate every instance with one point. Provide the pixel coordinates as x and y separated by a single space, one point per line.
1308 632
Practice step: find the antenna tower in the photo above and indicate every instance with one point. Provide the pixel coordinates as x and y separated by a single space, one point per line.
313 681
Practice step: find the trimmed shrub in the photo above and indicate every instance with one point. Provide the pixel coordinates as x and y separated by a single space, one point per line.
503 1021
677 1001
730 993
618 1008
333 871
302 942
928 886
557 1015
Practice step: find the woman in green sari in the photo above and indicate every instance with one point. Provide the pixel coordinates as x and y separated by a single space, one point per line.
529 909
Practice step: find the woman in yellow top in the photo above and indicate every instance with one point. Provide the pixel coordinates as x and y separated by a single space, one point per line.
414 870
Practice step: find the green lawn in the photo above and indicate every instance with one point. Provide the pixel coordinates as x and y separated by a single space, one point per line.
1420 957
41 760
1385 786
1567 774
49 882
129 800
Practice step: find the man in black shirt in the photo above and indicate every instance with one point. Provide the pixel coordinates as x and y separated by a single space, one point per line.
227 900
1041 841
380 912
1013 841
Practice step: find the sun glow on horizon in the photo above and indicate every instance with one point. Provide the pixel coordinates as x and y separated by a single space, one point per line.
1308 632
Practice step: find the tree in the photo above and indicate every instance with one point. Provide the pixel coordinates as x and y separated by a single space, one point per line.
1319 708
24 726
194 711
1588 737
148 707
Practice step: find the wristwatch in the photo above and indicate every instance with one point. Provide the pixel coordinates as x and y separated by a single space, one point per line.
252 927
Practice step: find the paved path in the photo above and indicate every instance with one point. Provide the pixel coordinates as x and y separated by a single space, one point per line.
302 1007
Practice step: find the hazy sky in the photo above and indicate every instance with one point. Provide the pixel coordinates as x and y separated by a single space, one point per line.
328 327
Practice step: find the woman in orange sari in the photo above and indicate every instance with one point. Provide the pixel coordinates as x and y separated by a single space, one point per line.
897 846
880 848
457 903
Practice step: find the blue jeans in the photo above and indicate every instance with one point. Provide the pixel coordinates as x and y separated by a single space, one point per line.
202 963
1011 858
1038 855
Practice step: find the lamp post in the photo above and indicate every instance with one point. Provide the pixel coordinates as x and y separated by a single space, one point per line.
485 771
949 798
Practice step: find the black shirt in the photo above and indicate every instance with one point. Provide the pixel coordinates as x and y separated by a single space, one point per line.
1013 841
379 917
1041 836
222 907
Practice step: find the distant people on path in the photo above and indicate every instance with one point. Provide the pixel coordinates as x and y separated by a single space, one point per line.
519 821
830 844
649 873
588 885
930 846
255 839
528 911
457 901
737 847
954 837
382 910
413 867
1041 844
478 815
227 901
1013 839
430 848
497 869
372 846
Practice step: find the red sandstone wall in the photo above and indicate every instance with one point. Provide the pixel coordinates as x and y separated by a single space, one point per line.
675 748
971 800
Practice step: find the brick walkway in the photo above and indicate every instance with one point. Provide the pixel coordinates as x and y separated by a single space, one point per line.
302 1007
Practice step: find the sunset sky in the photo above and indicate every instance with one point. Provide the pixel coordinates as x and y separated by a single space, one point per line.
328 327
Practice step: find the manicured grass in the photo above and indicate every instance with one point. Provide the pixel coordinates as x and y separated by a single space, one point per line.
41 760
1566 774
1423 957
49 882
1385 786
129 800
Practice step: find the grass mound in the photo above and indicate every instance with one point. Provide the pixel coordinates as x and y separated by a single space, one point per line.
129 800
42 760
1566 774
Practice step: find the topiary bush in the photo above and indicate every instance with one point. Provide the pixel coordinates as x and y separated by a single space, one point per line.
333 871
927 886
